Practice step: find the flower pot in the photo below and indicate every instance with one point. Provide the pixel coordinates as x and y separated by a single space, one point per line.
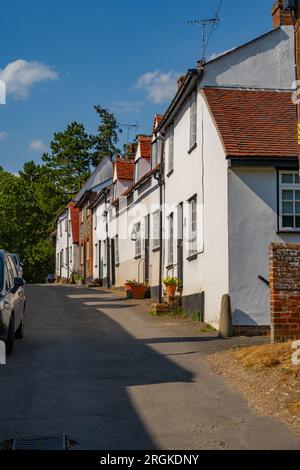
171 290
139 292
128 287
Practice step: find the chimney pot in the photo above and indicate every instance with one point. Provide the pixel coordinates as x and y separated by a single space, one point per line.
281 17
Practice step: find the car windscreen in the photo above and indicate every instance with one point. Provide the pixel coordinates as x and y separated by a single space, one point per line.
1 274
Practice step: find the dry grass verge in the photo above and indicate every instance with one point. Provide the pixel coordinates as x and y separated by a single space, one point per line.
267 377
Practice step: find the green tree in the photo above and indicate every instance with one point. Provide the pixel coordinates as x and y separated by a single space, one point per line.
69 163
106 139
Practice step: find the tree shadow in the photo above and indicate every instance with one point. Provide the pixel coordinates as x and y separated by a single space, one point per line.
76 371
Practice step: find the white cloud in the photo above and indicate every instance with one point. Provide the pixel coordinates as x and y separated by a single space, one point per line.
216 55
3 135
37 146
159 86
20 75
127 106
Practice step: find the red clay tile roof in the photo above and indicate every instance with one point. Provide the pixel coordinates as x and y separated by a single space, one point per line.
254 123
74 212
145 146
124 169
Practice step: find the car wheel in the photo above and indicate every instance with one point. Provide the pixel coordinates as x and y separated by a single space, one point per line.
19 334
10 337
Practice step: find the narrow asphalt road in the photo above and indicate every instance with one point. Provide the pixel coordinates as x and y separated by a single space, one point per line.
111 377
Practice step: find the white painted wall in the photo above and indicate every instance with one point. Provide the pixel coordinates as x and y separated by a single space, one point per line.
252 227
145 203
99 235
267 62
209 272
215 258
63 244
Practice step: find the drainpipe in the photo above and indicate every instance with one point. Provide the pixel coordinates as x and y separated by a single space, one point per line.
160 177
107 241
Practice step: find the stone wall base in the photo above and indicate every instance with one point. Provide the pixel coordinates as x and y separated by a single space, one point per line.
256 330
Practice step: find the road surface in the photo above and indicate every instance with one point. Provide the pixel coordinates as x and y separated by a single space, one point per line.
110 376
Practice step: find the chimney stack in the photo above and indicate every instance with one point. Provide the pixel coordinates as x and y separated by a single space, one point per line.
280 17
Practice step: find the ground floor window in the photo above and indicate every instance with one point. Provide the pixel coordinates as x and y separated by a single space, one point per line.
193 226
289 201
171 240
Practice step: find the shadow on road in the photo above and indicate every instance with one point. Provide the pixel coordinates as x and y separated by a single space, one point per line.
73 372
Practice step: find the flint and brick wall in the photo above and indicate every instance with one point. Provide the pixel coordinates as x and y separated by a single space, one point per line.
285 291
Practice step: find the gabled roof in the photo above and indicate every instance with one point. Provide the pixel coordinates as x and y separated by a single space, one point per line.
100 177
145 146
123 169
254 123
157 120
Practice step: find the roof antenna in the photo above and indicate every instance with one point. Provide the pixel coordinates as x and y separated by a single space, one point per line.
203 22
128 128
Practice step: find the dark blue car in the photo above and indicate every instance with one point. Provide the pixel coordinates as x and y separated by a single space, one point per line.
12 302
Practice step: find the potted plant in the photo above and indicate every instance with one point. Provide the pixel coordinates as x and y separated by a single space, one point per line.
128 285
171 284
139 290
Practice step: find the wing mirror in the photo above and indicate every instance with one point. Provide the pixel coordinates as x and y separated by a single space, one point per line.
18 282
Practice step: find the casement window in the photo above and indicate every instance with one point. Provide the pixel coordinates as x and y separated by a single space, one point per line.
60 228
193 120
96 251
104 253
95 220
66 225
70 255
117 253
69 228
171 241
154 157
289 201
193 227
87 250
81 254
171 148
57 262
136 171
138 241
82 215
156 230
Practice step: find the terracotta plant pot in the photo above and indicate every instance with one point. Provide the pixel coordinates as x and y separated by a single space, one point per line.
139 292
128 287
171 290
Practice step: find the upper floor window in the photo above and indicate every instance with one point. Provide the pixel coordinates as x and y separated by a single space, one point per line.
136 171
193 120
154 154
289 195
60 228
171 148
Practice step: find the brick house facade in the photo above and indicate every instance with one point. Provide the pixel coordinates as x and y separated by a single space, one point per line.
86 236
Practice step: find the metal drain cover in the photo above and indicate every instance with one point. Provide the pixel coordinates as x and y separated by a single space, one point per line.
40 443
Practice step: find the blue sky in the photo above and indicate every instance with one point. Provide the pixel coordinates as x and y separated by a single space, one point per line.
62 57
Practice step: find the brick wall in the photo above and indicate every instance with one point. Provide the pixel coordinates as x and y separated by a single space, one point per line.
285 291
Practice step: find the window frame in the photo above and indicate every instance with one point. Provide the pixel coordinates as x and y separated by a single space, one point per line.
138 241
193 227
171 239
287 187
156 230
